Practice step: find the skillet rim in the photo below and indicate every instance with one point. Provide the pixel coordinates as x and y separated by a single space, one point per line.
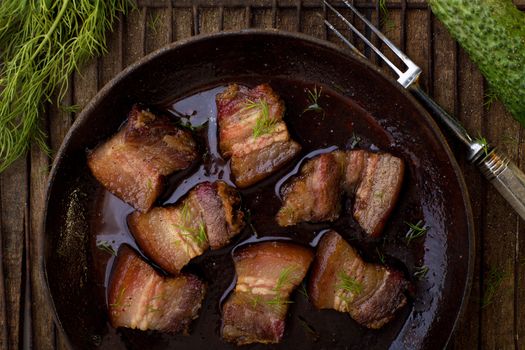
107 88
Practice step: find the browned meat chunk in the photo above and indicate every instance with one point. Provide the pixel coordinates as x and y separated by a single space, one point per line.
171 236
341 280
133 163
378 191
267 273
139 297
315 195
252 132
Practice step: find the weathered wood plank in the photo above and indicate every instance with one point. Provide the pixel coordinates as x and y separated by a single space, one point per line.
13 193
41 318
452 97
262 18
287 20
519 272
134 32
158 28
499 245
182 23
209 20
235 18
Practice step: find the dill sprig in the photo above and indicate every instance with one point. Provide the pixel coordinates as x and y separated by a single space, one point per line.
198 235
493 281
313 98
304 291
380 255
349 284
421 272
354 140
41 44
284 278
415 231
264 123
107 247
484 144
119 302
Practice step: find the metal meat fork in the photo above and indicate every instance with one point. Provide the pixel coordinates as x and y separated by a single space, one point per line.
508 179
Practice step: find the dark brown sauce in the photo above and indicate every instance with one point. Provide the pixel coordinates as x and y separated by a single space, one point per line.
339 127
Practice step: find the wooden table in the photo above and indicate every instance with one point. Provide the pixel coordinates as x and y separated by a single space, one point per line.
495 316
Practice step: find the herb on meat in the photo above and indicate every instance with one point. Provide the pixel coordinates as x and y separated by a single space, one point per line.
349 284
264 123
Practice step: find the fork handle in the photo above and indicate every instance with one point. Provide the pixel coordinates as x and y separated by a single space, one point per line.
508 179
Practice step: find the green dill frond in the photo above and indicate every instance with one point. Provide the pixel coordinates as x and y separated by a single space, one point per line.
313 98
118 302
277 300
382 8
70 108
284 278
154 21
484 144
264 123
354 140
421 272
41 44
349 284
380 255
201 236
493 281
105 246
415 231
304 291
256 300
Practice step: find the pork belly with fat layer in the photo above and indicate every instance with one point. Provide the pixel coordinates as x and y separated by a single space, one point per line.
341 280
209 216
252 132
139 297
267 273
133 163
316 193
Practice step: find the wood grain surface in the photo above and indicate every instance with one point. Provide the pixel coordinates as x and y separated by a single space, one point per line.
495 314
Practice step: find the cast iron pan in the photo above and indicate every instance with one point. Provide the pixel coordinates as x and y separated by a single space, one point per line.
181 69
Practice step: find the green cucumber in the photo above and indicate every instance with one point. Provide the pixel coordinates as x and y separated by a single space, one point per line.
492 32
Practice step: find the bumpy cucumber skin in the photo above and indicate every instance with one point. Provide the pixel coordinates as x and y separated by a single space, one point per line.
492 32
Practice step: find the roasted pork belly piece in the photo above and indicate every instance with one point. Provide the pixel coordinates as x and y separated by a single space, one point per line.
341 280
139 297
378 191
133 163
267 273
316 193
209 216
252 132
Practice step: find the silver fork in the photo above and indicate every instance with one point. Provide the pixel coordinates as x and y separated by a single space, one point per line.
508 179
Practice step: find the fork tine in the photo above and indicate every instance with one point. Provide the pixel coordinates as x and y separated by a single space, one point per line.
360 35
407 77
381 36
341 36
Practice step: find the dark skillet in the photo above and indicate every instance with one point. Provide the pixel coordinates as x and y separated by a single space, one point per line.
182 68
